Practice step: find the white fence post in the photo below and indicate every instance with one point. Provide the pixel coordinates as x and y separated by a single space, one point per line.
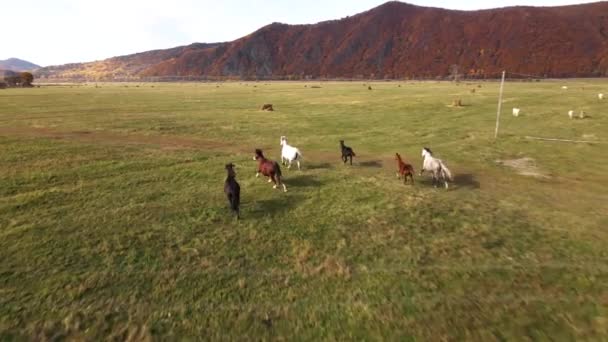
502 83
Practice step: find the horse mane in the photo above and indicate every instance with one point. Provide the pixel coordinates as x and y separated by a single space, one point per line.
428 150
259 153
230 170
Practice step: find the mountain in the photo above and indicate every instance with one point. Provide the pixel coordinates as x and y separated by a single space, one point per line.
395 40
16 64
121 67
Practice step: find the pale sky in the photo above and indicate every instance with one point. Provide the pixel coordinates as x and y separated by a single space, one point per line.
50 32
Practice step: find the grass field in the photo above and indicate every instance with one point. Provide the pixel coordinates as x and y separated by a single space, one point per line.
113 221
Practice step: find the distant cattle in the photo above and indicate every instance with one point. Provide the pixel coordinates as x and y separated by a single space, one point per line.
268 107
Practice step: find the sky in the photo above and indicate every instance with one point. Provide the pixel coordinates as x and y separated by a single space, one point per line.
52 32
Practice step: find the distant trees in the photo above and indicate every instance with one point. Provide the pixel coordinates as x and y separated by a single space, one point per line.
12 79
26 79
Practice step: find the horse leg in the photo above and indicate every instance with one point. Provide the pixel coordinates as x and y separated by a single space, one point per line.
351 159
273 179
257 174
289 165
298 161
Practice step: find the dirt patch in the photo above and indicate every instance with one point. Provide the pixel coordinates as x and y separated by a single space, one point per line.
524 166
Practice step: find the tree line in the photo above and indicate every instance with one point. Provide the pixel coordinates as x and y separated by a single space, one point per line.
14 79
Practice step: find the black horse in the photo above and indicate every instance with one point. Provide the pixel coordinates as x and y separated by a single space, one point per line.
347 153
232 190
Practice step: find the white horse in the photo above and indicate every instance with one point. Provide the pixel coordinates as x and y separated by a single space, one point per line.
436 167
289 153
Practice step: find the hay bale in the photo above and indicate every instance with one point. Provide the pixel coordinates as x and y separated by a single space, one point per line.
267 107
369 88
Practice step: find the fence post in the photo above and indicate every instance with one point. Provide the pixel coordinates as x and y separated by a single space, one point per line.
502 83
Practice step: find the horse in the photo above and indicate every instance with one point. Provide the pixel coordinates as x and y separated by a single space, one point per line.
269 168
289 154
436 167
232 190
347 152
405 169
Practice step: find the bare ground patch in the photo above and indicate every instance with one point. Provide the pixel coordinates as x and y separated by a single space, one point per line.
524 166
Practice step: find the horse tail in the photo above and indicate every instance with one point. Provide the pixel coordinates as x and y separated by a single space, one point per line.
446 172
352 152
235 200
299 154
277 172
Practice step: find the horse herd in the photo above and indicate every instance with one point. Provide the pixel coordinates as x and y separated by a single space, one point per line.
289 154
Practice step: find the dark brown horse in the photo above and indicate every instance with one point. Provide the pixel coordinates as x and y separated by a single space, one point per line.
232 190
405 169
347 153
269 168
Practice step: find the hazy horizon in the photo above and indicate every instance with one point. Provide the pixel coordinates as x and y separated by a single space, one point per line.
73 31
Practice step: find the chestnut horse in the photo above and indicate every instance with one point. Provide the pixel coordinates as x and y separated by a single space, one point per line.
269 168
405 169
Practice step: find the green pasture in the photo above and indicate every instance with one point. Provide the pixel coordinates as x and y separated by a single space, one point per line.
114 224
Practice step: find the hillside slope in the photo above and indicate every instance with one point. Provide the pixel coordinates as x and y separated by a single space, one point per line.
398 40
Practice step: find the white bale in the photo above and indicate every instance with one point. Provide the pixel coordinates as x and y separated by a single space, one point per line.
600 96
564 87
571 114
515 112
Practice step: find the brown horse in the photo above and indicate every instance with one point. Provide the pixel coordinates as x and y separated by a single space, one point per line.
405 169
269 168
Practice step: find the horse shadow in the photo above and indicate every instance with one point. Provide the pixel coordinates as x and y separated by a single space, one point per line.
270 207
371 163
303 181
317 166
466 180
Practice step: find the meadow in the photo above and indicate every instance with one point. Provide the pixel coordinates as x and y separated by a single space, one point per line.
114 224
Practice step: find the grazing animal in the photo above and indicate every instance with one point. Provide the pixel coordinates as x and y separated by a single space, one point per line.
600 96
405 169
581 115
269 168
347 153
267 107
516 112
436 167
571 114
232 189
289 153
